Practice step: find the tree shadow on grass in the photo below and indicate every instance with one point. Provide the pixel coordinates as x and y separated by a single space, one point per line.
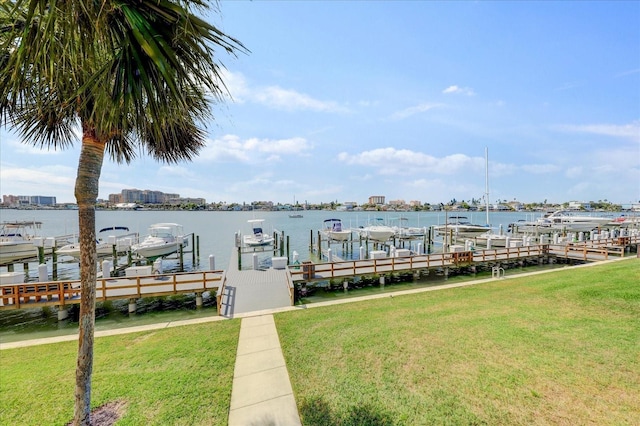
317 412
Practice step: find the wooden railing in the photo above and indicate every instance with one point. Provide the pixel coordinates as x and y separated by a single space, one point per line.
60 293
310 271
220 292
593 250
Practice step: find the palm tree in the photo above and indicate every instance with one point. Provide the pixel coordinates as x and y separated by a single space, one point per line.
134 76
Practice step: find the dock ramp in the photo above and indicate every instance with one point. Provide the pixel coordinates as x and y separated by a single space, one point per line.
254 290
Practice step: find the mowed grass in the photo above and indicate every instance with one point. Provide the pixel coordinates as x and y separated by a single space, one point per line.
556 348
173 376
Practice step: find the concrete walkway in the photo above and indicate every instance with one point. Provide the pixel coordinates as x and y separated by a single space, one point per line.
261 393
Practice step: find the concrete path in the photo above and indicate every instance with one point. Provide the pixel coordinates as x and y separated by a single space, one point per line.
261 393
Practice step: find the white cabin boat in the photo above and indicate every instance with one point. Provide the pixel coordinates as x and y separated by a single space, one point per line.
333 230
257 238
377 231
562 221
122 243
17 240
459 226
402 231
163 239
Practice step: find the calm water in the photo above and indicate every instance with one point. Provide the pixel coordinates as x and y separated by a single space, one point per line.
216 229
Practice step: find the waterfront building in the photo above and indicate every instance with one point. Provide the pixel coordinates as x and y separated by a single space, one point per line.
377 200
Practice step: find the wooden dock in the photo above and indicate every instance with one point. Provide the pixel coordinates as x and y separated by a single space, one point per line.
62 293
253 290
591 251
241 291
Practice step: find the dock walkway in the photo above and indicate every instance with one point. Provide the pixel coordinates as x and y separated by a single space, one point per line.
254 290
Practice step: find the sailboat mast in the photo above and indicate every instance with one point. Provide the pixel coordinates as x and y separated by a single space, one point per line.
486 180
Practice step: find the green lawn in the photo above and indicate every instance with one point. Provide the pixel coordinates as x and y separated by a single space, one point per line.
557 348
172 376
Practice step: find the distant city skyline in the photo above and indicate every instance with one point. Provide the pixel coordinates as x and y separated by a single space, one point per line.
344 100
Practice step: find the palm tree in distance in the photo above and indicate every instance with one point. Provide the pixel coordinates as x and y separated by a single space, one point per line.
135 76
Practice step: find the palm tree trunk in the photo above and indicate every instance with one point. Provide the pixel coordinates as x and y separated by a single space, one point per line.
86 192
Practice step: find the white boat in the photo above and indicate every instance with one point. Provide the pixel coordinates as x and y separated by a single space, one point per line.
257 238
17 240
121 242
402 231
377 231
459 226
333 230
562 221
163 239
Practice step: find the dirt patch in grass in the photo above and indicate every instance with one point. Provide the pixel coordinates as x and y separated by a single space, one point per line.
107 414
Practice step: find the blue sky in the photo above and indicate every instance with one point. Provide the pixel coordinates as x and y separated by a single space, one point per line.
340 100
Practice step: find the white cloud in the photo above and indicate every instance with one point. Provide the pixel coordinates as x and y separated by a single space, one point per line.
459 90
392 161
178 171
277 97
629 72
253 150
574 172
539 169
30 149
408 112
625 131
57 181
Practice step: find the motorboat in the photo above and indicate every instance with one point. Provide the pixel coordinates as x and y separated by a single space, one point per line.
377 231
333 230
257 238
402 231
163 239
296 216
459 226
562 221
18 240
121 243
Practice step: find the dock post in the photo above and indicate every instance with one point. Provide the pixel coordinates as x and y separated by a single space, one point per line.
54 262
43 274
255 261
311 240
63 314
106 268
382 281
446 273
239 258
132 306
181 253
345 285
212 262
195 251
287 249
362 254
198 300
